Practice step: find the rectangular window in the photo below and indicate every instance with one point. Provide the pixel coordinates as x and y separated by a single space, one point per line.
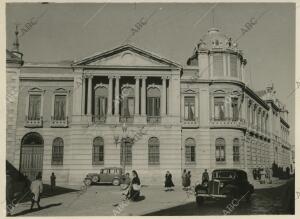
218 64
34 110
220 153
233 65
153 106
127 107
236 153
189 108
60 107
153 154
235 110
101 107
219 108
190 154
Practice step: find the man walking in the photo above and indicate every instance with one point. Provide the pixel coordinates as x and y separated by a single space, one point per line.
184 179
52 180
36 190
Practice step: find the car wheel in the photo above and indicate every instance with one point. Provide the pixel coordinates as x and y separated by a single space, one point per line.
87 182
116 182
95 179
199 201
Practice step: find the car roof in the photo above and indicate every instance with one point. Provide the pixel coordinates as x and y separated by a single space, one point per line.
229 169
110 168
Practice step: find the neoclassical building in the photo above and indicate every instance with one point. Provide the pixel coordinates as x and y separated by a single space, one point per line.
131 108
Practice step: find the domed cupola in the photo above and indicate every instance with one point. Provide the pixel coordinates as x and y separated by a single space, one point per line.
218 57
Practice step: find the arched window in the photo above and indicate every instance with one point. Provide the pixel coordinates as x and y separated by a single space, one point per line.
153 151
98 151
220 149
57 151
153 102
190 150
236 150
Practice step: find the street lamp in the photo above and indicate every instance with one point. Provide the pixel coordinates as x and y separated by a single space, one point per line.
122 141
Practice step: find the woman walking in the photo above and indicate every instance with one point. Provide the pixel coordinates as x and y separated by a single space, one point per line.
168 182
188 179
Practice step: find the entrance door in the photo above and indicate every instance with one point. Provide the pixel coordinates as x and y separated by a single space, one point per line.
32 151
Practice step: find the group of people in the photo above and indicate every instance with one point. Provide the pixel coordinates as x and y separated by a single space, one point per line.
186 179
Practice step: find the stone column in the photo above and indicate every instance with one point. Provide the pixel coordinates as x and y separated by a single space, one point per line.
109 104
90 88
137 96
117 95
77 95
83 96
163 96
143 97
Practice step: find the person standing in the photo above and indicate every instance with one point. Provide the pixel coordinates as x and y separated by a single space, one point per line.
168 182
189 175
205 176
184 178
53 182
36 188
135 187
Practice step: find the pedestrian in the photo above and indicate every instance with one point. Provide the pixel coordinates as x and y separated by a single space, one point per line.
184 178
205 177
168 182
36 188
134 188
188 180
53 182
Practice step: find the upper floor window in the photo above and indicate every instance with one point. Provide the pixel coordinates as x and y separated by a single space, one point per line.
189 108
235 110
153 151
98 151
233 65
127 102
236 150
57 151
220 149
248 113
60 105
190 153
34 108
219 108
101 93
218 64
153 101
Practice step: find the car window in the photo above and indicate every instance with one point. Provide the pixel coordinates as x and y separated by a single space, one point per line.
106 171
224 174
116 171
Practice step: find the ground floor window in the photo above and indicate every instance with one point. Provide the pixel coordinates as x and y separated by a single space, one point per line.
57 151
126 147
98 151
236 150
220 149
190 154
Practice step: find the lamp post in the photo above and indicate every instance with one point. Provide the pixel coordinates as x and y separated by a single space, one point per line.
123 142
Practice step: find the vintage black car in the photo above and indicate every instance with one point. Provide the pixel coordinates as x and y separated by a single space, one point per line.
225 183
110 175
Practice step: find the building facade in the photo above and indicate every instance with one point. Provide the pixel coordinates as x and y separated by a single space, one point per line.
131 108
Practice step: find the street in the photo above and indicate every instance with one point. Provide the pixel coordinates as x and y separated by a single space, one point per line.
106 200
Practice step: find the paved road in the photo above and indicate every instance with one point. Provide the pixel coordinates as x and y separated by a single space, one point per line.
105 200
278 200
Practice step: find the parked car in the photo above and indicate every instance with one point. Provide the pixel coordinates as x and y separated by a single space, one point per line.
113 175
225 183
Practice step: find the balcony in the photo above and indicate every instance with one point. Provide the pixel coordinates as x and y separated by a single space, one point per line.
153 119
59 123
228 122
126 119
191 123
99 119
34 123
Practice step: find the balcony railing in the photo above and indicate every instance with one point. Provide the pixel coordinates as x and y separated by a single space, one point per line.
126 119
34 123
59 123
98 119
228 121
153 119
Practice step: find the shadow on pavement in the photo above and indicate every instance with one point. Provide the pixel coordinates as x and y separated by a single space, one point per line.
36 209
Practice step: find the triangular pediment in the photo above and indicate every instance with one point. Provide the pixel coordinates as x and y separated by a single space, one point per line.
127 55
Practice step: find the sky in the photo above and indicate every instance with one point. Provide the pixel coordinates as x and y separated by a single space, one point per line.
73 31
